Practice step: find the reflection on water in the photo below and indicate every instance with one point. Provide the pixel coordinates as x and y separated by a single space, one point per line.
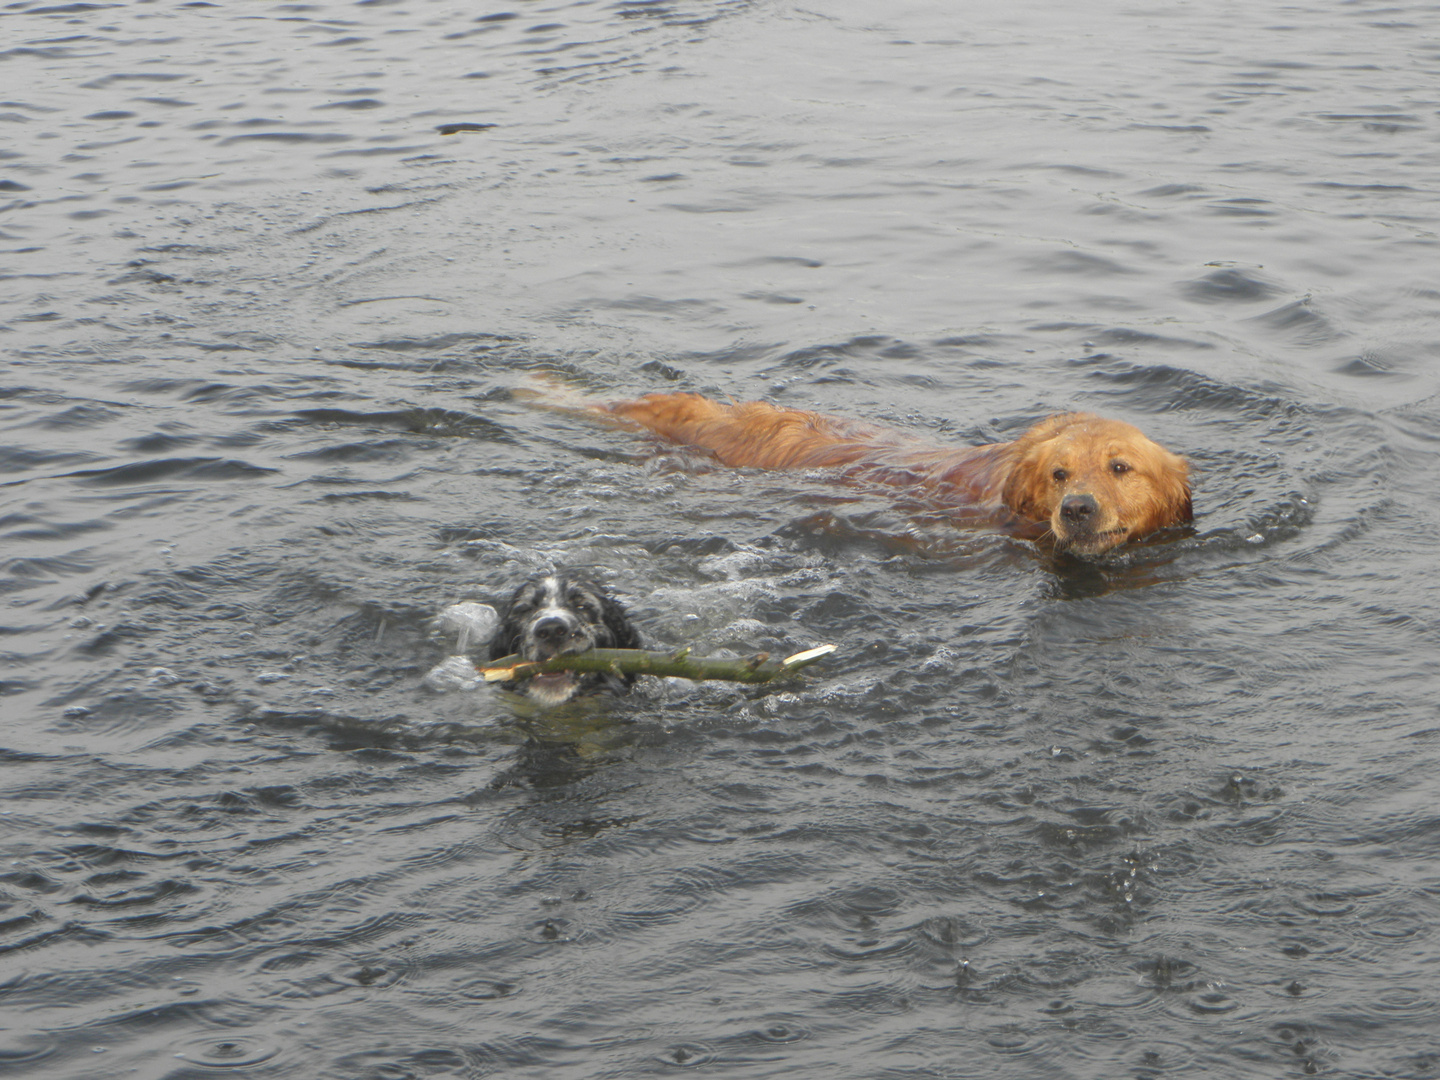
272 276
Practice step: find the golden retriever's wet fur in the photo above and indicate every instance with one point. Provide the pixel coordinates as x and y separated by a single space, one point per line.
1091 483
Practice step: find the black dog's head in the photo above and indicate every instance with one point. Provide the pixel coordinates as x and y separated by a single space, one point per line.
562 614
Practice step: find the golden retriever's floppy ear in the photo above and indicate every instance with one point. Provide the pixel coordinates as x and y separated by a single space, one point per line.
1174 481
1169 490
1026 486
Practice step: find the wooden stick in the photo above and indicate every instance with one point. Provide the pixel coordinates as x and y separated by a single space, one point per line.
757 669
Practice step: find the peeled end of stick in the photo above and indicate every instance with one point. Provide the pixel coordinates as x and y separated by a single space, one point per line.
808 656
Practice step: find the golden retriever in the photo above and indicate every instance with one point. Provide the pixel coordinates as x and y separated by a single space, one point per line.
1091 483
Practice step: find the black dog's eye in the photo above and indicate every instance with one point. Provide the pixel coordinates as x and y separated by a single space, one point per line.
1060 475
580 601
1119 467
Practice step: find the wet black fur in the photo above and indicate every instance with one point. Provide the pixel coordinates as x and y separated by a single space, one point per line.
593 618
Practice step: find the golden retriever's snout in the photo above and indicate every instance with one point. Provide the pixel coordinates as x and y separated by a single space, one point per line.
1078 511
1080 525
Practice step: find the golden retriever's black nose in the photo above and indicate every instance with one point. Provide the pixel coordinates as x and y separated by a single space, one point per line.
1078 509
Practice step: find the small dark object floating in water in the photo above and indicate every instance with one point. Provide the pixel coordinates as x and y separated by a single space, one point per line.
455 129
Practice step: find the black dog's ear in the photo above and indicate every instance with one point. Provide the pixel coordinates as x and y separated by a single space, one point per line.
503 644
506 641
622 632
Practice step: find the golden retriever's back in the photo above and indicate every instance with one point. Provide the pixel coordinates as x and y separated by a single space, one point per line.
754 433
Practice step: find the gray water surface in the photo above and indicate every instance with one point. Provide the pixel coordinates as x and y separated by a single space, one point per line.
265 325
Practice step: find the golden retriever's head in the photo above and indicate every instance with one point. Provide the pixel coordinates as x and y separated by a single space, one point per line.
1096 482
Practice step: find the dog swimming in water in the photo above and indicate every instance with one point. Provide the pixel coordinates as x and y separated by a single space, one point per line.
561 614
1089 483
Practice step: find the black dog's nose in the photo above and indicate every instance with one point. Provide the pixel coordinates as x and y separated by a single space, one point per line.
1078 509
551 629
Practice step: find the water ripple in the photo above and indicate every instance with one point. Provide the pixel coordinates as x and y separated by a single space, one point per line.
267 302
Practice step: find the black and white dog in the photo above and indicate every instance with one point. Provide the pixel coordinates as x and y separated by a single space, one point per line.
561 614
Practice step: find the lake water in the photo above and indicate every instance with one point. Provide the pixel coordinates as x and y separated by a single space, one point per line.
1166 812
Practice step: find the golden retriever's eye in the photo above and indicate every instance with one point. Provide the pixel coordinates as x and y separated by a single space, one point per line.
1119 468
1060 475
